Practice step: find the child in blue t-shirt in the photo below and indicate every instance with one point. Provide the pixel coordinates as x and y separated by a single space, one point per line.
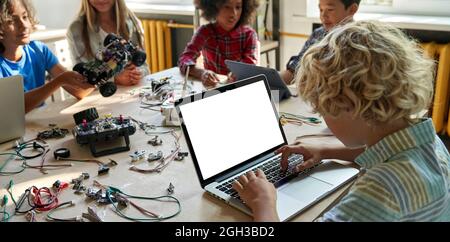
31 59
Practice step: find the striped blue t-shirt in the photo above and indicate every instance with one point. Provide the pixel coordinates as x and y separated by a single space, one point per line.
406 179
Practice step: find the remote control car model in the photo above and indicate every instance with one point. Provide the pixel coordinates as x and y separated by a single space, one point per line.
109 62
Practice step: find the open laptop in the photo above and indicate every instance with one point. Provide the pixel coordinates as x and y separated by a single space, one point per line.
234 129
12 108
244 70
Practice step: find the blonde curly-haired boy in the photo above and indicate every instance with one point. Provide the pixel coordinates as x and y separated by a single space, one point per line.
370 83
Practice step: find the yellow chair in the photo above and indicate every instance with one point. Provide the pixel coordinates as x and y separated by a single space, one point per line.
440 106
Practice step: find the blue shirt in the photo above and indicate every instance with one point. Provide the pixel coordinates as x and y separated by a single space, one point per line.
315 37
36 59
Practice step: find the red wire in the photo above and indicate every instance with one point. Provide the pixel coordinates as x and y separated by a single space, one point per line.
44 199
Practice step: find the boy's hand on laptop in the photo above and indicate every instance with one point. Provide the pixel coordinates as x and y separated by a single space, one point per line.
259 195
312 155
209 78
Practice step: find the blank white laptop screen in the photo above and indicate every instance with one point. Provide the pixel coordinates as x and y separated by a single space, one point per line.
231 127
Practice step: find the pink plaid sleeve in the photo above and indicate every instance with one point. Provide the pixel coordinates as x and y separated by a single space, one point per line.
192 50
250 54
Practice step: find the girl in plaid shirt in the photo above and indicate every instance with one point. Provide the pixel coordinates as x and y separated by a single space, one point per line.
227 37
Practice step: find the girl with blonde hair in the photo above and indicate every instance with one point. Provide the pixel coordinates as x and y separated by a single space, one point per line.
98 18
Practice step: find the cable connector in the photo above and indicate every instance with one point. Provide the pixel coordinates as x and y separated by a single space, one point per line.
4 201
10 185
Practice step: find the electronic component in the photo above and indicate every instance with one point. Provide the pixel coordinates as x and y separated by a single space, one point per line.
77 183
137 155
170 115
99 195
31 216
91 215
52 133
155 156
61 152
4 201
180 156
155 141
111 163
59 185
171 189
103 169
157 85
122 202
79 188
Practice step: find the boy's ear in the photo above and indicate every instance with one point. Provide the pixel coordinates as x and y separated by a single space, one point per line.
353 8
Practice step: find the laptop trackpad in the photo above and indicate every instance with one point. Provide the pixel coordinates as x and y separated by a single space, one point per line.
306 188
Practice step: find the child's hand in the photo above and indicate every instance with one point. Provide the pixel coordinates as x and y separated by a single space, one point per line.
74 80
209 78
312 155
231 78
130 76
259 194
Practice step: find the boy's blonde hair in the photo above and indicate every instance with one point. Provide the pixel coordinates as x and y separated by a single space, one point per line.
370 69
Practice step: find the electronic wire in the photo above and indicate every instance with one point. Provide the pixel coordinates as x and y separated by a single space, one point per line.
50 216
34 145
165 161
12 156
9 190
83 160
151 129
115 192
3 204
40 199
297 119
43 168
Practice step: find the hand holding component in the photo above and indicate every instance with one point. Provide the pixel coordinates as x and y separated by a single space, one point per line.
73 80
130 76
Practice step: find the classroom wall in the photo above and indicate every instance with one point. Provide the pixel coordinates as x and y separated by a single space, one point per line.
56 13
293 21
297 19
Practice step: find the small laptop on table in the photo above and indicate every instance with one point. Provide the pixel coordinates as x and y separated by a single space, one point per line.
12 108
244 70
235 129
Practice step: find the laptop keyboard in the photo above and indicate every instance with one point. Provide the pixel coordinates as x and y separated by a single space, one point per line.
272 170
